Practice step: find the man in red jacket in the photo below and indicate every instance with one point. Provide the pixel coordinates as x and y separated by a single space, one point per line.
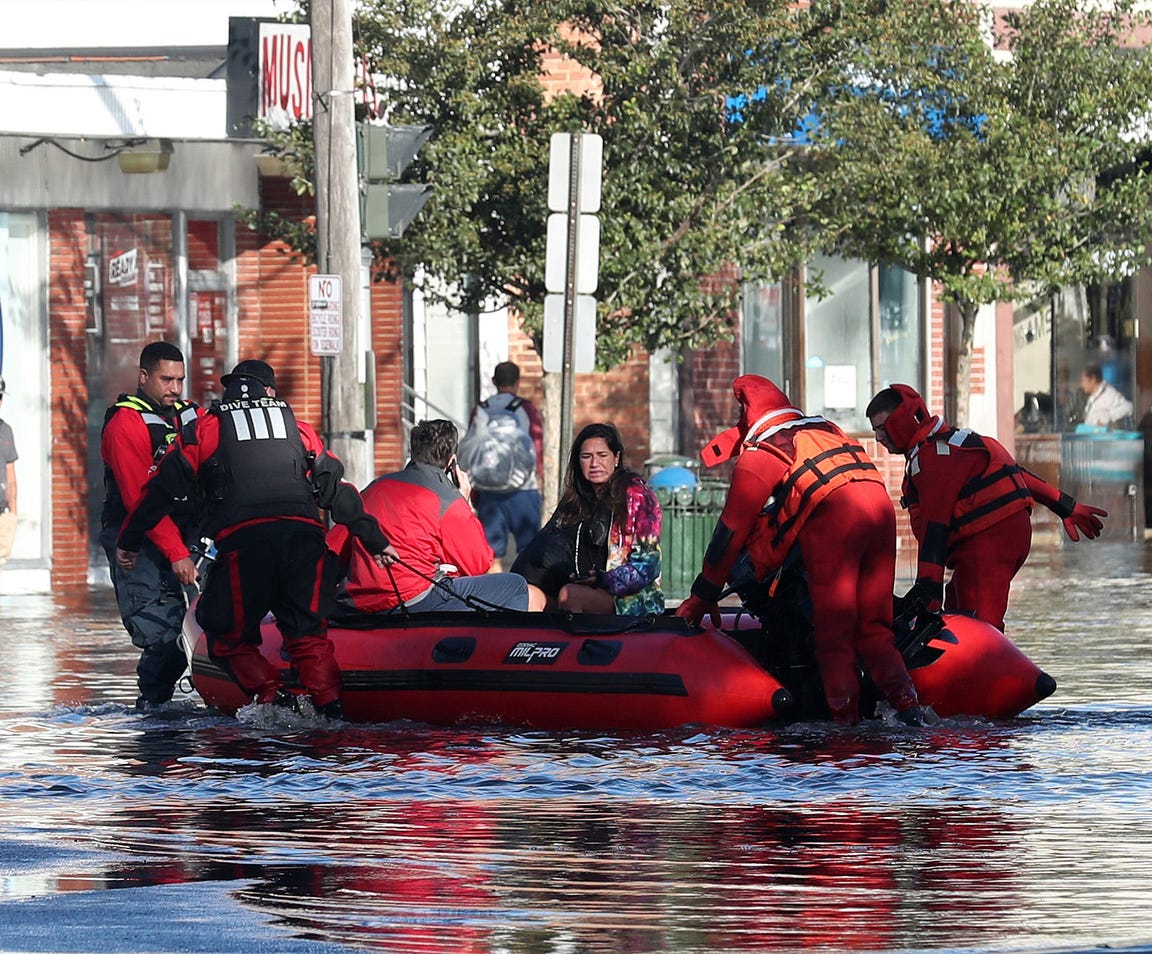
153 595
444 556
800 480
970 506
263 476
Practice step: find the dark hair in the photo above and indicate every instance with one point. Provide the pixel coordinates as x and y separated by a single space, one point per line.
433 442
158 351
887 400
1093 371
580 498
507 373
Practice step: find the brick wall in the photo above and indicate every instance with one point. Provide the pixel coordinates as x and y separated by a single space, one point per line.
272 300
937 367
67 345
388 343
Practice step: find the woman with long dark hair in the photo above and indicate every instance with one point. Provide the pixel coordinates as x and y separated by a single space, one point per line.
614 521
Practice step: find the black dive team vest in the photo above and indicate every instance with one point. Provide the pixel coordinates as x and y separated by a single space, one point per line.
260 470
162 430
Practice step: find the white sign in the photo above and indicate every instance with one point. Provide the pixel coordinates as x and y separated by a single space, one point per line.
326 314
285 79
122 268
587 254
840 386
583 334
591 157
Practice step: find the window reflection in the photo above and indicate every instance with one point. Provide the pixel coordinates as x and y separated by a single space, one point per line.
862 331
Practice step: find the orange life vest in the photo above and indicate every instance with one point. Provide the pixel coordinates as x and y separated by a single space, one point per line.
997 492
820 459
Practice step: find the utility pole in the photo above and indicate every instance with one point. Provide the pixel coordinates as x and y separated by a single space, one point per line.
344 375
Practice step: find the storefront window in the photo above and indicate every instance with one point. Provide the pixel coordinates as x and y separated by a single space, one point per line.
23 365
863 332
1056 338
136 298
763 326
838 342
899 330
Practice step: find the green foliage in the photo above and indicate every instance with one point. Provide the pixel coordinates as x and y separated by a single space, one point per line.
1048 187
933 150
685 194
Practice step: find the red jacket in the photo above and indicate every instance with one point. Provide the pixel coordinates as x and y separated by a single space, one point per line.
429 524
958 483
782 465
126 446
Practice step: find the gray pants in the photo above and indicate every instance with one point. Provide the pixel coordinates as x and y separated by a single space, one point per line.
152 605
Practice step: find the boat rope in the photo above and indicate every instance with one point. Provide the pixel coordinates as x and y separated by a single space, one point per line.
473 602
396 589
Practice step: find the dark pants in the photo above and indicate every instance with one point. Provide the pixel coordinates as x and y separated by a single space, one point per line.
512 513
278 567
152 606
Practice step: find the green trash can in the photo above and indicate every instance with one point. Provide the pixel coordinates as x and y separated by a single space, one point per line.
688 518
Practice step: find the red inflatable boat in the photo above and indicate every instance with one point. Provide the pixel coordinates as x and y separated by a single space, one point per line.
594 672
529 669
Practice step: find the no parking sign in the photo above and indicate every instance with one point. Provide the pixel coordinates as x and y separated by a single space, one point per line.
326 314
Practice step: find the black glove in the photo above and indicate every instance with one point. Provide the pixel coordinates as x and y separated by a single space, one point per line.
924 595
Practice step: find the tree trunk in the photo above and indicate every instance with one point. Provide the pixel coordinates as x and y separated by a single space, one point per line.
963 383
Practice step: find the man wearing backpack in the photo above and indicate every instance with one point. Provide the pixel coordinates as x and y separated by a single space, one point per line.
503 455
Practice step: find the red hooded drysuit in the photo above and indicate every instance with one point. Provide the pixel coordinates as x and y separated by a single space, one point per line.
801 480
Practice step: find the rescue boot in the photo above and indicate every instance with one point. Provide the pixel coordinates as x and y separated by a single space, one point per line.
918 716
285 699
333 710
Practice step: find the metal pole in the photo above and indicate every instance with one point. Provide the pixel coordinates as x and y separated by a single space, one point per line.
567 379
338 231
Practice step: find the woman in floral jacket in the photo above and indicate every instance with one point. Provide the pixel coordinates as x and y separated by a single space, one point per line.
614 519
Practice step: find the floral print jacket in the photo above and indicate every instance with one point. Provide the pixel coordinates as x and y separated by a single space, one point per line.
633 570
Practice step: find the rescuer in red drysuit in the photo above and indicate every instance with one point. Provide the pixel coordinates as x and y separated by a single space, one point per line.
801 480
970 506
263 476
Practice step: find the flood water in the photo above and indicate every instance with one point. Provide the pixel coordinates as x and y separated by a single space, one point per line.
188 831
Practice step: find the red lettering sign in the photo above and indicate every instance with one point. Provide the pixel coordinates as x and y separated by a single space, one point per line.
285 73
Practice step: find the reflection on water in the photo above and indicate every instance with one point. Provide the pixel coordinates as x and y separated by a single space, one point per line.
1029 833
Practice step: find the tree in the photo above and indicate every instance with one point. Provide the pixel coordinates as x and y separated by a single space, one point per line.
687 191
989 168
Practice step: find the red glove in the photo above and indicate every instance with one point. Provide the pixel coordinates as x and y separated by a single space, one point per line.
1086 520
694 609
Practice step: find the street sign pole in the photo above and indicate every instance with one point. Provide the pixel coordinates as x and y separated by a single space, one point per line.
568 377
571 267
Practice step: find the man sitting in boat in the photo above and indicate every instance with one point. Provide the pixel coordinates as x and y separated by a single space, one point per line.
444 555
800 480
970 506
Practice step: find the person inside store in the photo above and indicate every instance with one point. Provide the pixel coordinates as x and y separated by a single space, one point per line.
1104 405
969 504
153 593
599 552
800 481
444 557
263 476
